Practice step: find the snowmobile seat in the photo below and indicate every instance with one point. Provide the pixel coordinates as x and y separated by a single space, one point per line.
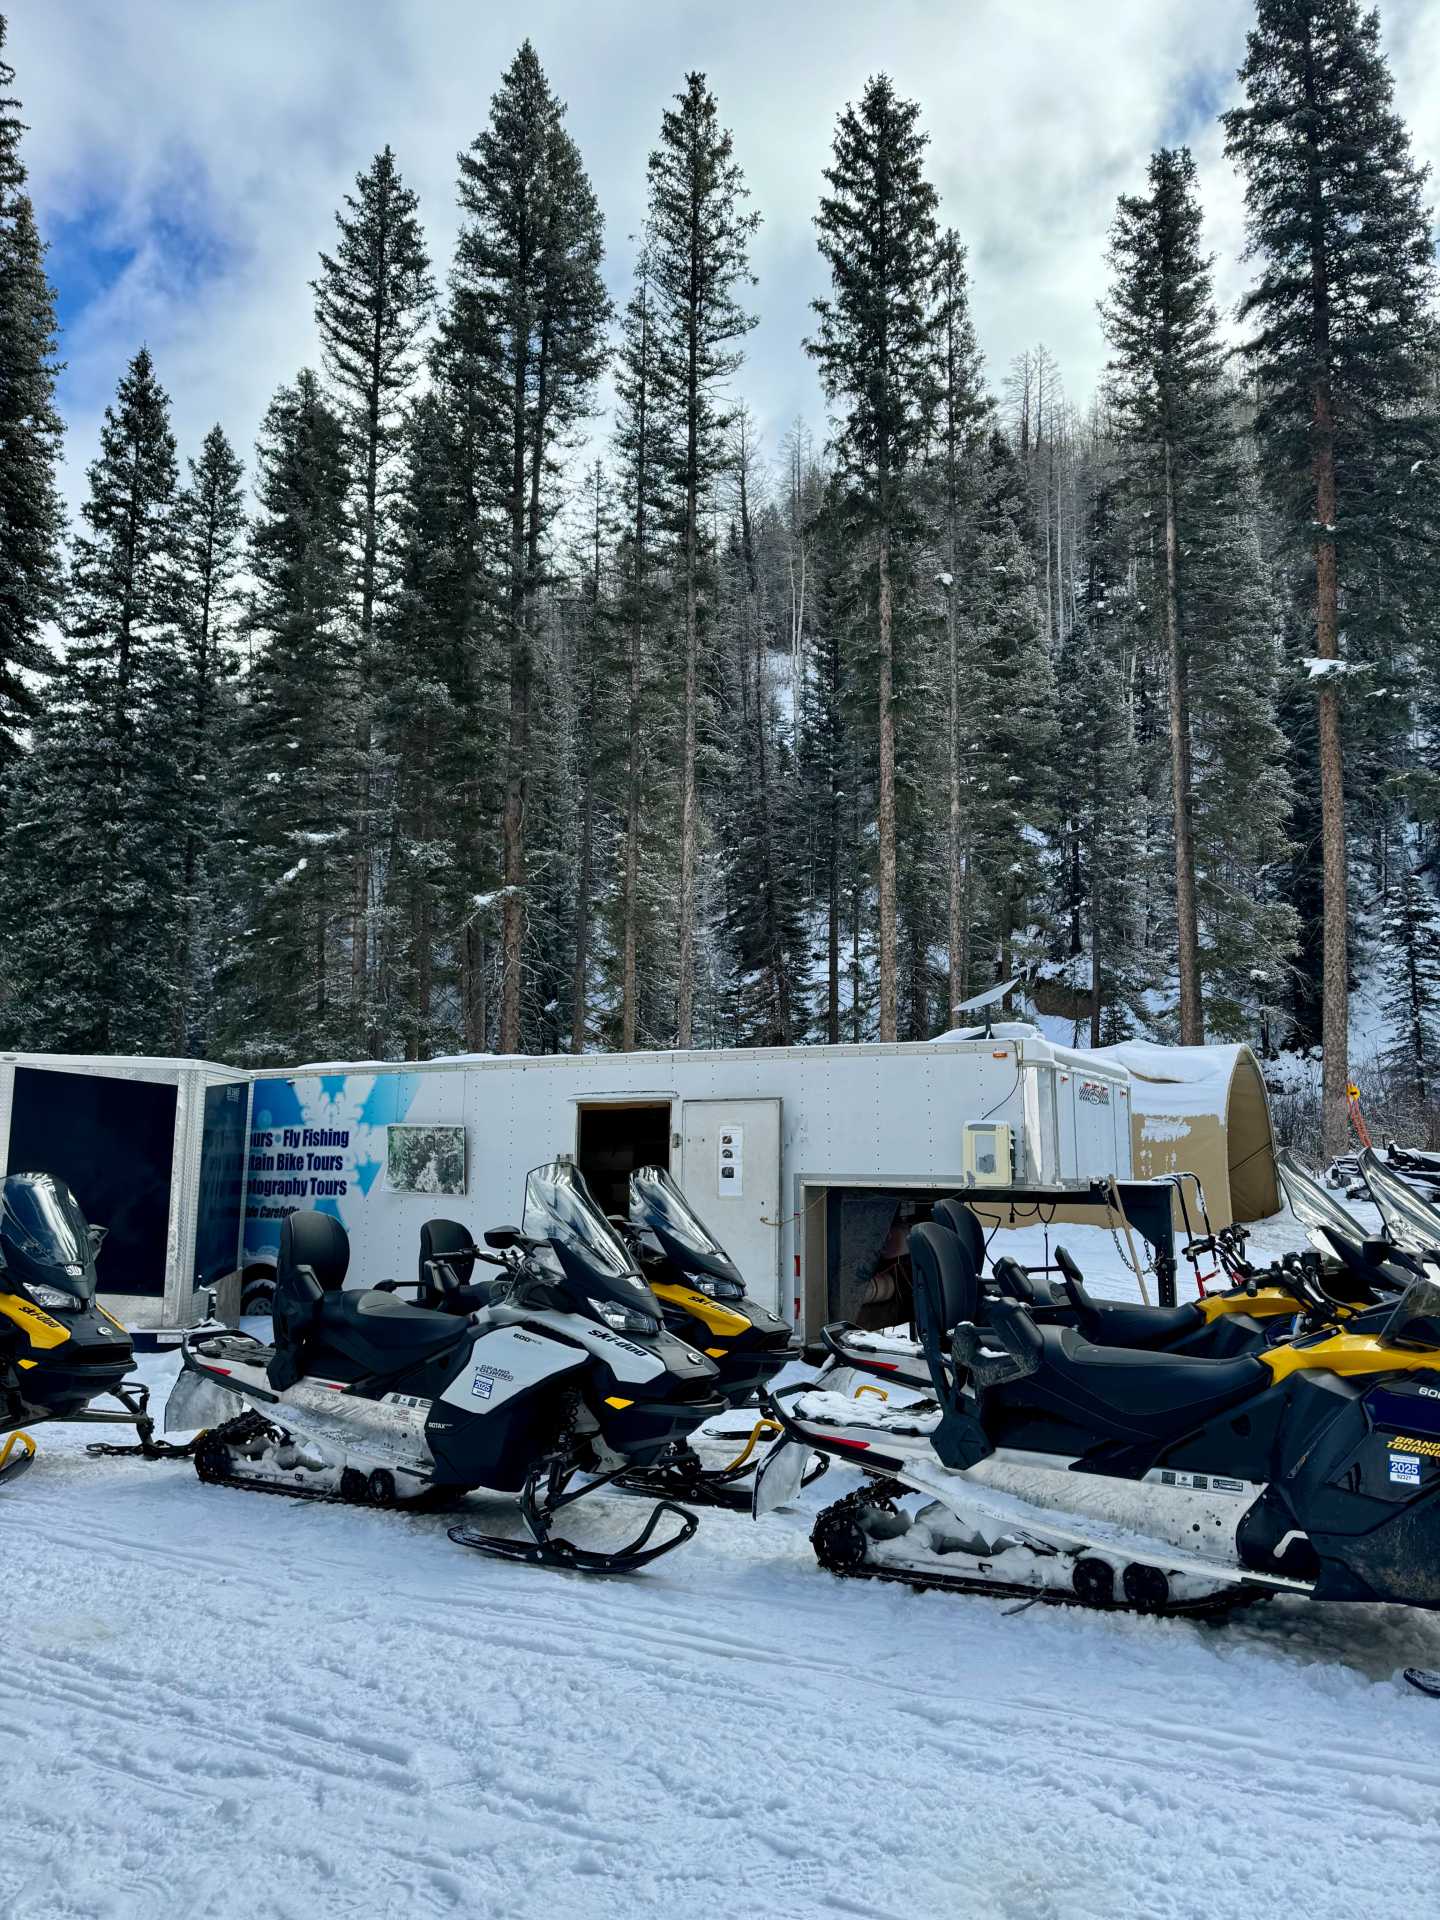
1018 1283
313 1260
451 1245
955 1215
321 1329
1119 1323
377 1333
947 1293
1124 1392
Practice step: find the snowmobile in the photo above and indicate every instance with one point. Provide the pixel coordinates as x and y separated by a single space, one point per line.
59 1349
1053 1469
1256 1309
703 1299
563 1370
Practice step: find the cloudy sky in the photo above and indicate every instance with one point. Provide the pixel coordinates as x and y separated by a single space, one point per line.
187 156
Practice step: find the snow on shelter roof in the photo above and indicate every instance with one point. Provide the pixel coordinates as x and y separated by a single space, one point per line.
1177 1080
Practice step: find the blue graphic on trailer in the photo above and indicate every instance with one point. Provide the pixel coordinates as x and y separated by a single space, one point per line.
317 1140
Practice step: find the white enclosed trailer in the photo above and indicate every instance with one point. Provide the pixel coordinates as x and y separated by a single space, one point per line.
803 1159
154 1150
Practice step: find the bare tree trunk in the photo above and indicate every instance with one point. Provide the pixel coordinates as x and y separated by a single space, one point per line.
1335 965
512 919
1187 925
1335 1001
578 996
689 804
887 797
1095 1005
628 982
855 1010
956 971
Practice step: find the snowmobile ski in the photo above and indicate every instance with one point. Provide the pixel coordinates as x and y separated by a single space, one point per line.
546 1549
17 1450
684 1476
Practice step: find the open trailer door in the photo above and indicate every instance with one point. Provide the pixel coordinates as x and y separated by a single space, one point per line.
730 1171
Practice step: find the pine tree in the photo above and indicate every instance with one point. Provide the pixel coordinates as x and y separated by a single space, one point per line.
371 300
1165 387
31 518
210 531
1342 307
962 409
594 678
824 736
1099 791
758 829
290 990
527 283
1410 969
100 813
875 347
698 238
1013 736
644 441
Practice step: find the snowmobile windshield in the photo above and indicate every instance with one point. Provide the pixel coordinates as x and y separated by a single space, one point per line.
560 1209
41 1223
1410 1221
659 1208
1312 1205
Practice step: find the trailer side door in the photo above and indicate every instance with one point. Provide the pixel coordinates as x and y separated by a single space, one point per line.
730 1172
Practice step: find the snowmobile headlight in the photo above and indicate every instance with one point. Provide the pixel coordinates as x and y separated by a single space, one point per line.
625 1319
720 1289
52 1298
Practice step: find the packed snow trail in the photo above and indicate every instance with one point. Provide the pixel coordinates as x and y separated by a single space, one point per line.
219 1705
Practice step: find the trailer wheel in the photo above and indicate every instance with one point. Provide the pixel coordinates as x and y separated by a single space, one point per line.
257 1291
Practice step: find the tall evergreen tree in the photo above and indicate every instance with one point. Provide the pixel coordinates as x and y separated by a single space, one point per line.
1165 386
1013 734
527 277
643 446
875 347
289 988
962 408
1098 812
94 843
210 531
698 239
31 518
1342 307
371 300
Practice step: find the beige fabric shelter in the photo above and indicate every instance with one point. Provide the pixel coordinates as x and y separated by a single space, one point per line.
1203 1110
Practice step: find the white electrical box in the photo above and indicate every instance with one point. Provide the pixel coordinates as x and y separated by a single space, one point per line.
987 1155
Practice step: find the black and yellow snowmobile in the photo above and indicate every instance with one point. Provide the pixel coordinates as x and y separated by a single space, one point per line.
703 1300
60 1351
1163 1482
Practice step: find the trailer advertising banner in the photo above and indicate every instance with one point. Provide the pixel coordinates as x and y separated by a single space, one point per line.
319 1140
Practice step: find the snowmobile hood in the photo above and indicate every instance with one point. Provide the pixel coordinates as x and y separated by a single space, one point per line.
659 1208
45 1241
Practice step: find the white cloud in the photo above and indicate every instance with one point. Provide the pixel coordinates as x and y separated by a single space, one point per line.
238 127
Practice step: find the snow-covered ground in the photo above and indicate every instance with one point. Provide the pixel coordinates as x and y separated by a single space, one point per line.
218 1704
